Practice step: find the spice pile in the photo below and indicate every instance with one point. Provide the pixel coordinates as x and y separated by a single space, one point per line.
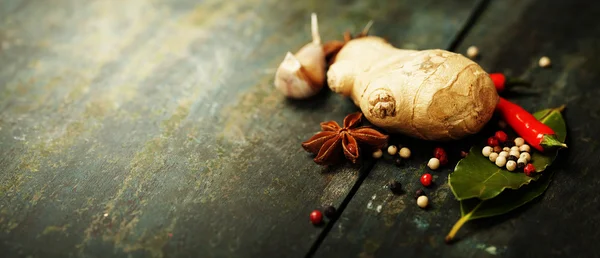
512 157
377 76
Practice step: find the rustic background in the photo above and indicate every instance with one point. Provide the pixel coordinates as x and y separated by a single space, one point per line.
151 128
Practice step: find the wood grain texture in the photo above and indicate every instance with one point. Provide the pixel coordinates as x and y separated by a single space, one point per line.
511 37
151 128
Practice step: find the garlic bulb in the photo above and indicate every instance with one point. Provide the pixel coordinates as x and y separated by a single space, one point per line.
302 75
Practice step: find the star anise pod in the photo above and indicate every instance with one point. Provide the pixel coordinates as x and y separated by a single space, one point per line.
329 144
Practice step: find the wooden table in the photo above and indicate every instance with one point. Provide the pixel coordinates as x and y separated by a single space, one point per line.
152 128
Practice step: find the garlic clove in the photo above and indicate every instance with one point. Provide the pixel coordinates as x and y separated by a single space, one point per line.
291 80
302 75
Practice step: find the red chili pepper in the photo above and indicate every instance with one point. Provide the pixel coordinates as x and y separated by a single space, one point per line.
537 134
501 81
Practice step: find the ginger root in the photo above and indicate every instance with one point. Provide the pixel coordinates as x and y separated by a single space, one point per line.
429 94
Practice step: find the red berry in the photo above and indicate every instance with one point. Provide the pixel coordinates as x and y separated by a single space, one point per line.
529 169
501 136
316 217
426 179
492 141
438 152
443 160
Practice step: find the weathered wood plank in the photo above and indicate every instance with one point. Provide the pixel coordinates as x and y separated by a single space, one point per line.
511 36
152 128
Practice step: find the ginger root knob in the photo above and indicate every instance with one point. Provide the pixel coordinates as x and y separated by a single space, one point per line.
429 94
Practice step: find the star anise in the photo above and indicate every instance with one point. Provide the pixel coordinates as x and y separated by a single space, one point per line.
329 144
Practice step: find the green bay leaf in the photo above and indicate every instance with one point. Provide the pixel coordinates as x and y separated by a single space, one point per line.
506 201
477 177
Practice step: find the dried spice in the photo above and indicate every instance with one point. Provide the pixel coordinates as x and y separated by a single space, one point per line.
333 140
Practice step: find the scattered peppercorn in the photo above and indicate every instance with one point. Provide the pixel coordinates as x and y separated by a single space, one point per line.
405 153
525 155
544 62
330 212
511 165
519 141
514 153
500 161
426 179
524 148
492 141
521 164
501 136
497 149
392 150
422 201
486 151
395 187
512 157
507 149
418 193
503 154
472 52
441 155
514 148
444 160
398 161
493 156
377 154
529 169
316 217
433 163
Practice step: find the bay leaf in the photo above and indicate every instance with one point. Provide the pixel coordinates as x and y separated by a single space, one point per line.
503 203
477 177
506 201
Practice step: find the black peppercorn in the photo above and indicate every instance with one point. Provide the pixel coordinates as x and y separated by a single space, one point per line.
513 158
520 165
395 187
330 212
418 193
398 161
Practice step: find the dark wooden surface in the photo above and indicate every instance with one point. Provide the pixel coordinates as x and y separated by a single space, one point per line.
511 36
151 128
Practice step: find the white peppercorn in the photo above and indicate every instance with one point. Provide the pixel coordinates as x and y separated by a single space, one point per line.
405 152
433 163
519 141
486 151
392 150
493 156
511 165
500 161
